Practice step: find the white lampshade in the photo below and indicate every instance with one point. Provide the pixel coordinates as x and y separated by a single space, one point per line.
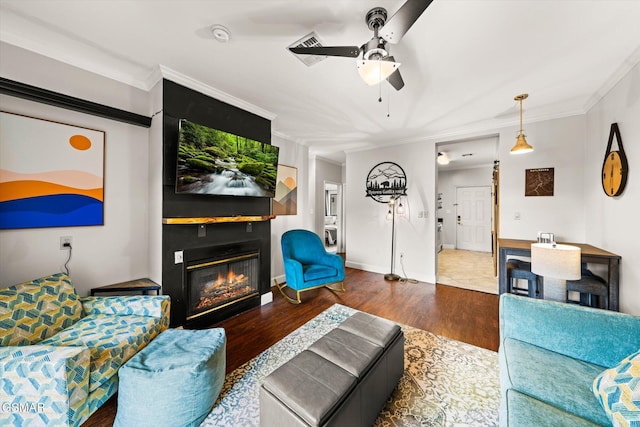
556 261
443 158
374 71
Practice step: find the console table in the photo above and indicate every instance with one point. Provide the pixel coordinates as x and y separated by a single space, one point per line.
588 253
139 285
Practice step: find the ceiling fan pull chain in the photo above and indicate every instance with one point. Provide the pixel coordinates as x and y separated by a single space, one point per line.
388 104
379 84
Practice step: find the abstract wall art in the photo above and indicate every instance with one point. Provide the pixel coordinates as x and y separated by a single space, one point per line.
285 201
51 174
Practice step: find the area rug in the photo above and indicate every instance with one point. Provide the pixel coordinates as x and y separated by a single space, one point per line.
445 382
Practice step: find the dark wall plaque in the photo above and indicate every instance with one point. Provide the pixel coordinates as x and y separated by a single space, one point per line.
539 182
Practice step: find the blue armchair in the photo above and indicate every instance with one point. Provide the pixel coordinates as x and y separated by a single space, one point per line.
307 265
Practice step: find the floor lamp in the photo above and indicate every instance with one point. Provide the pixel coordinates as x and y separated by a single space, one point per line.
391 214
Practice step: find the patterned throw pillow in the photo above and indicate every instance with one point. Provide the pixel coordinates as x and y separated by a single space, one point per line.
35 310
618 390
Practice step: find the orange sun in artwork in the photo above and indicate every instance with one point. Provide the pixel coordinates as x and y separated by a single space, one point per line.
80 142
289 182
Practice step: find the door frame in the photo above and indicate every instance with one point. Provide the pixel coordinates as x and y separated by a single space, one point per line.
495 192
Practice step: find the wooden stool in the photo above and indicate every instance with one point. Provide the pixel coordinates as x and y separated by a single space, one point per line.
517 269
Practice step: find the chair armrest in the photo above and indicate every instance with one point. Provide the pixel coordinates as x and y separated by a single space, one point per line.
335 261
138 305
44 385
293 273
592 335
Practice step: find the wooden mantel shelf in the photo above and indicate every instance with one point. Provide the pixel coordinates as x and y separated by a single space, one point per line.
217 219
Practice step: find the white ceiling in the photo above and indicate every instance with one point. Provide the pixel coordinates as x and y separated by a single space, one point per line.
462 62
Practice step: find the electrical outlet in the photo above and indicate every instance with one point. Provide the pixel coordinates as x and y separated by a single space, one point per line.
65 241
178 257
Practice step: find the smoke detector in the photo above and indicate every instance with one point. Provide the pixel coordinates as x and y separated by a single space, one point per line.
220 33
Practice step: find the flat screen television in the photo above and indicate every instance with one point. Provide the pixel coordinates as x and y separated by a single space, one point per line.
214 162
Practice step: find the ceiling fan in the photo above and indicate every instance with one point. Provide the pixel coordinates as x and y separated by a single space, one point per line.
376 64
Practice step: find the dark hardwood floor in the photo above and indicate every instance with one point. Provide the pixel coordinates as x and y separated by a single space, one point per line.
463 315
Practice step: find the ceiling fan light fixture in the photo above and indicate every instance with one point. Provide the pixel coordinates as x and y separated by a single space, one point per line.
521 146
374 72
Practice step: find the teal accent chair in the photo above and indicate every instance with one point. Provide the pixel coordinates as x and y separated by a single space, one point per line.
307 265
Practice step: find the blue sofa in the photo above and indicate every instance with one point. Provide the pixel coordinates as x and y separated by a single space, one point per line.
551 352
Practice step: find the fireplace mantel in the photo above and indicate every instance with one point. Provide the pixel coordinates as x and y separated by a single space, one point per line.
216 219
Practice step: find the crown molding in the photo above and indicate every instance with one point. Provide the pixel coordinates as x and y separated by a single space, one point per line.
177 77
289 138
614 79
75 59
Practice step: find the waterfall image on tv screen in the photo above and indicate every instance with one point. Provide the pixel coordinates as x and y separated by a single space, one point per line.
214 162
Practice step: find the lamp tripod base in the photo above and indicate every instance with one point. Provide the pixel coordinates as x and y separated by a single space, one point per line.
391 276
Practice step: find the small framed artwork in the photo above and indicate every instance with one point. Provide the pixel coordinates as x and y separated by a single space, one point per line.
539 182
285 201
51 173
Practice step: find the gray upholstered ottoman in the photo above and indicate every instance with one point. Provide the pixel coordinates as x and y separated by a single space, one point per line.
343 379
174 381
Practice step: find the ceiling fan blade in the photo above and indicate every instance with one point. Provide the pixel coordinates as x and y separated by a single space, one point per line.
347 51
395 79
403 19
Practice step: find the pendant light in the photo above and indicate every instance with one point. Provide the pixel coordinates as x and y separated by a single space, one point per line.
521 146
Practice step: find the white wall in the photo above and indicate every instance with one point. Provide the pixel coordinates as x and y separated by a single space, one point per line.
448 183
557 144
291 154
368 232
111 253
613 222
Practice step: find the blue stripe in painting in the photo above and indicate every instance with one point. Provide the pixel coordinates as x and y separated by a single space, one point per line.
62 210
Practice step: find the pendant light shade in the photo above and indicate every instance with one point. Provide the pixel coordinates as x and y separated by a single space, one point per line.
521 146
443 158
373 72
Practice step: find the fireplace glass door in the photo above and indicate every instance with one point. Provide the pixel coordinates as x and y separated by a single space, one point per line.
214 284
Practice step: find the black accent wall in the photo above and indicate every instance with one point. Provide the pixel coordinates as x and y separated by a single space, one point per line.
180 102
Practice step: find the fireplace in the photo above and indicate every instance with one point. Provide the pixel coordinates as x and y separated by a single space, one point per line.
222 280
224 275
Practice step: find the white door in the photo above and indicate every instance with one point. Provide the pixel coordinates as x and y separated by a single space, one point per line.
473 230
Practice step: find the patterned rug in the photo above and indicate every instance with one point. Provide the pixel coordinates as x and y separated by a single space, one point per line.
445 382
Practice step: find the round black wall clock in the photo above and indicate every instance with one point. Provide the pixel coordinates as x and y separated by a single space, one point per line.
615 167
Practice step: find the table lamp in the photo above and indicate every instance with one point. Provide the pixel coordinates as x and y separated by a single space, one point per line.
556 264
